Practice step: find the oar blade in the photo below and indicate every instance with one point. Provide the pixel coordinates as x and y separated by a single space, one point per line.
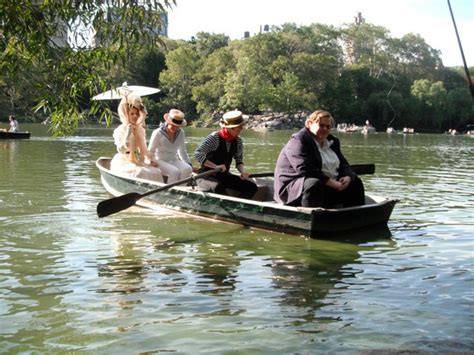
120 203
117 204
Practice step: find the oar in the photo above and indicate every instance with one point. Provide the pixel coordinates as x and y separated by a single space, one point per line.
120 203
359 169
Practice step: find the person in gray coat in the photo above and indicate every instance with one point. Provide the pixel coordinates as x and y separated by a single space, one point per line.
311 170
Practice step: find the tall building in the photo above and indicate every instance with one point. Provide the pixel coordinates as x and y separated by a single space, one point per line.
80 35
61 37
111 12
353 48
359 20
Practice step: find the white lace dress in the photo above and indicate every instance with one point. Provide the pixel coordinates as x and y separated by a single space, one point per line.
121 163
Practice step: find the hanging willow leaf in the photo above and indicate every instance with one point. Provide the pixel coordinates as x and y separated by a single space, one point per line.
64 75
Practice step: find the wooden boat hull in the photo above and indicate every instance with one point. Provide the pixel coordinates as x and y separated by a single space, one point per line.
310 222
14 135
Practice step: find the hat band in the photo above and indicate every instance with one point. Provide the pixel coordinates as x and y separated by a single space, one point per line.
234 121
174 120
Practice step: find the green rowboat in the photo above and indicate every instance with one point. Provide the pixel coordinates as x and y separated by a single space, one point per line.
260 212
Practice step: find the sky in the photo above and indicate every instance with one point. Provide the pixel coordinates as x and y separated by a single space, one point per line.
430 19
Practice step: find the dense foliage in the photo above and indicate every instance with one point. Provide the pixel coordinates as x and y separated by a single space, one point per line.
43 76
358 72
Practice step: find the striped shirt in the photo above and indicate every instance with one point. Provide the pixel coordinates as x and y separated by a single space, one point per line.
211 143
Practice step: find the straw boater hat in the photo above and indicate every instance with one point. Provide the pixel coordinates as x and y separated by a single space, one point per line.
233 119
175 117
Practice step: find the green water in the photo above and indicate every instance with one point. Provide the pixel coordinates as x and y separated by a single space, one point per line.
146 282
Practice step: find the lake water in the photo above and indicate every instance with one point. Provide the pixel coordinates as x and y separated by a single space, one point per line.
146 282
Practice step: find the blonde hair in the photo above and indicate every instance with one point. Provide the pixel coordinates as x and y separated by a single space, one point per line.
127 103
316 117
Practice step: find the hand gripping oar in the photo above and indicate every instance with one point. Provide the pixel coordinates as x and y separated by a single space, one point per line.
120 203
359 169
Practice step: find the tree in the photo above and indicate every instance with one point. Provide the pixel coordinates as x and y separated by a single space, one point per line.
243 87
434 96
145 66
207 43
462 108
178 79
210 81
284 97
415 58
67 71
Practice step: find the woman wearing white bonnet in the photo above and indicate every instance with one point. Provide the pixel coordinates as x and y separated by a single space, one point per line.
132 156
168 146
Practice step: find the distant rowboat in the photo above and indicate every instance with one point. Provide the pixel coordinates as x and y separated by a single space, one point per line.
14 135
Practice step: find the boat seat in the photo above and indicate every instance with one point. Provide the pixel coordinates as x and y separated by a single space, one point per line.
260 195
263 194
233 193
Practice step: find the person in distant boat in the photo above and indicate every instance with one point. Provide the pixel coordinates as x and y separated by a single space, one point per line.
217 151
311 170
168 147
13 124
132 155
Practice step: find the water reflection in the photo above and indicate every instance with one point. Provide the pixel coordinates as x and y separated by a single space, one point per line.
132 263
309 285
217 266
229 268
8 151
126 271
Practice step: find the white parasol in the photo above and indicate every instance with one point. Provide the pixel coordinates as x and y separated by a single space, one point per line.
125 90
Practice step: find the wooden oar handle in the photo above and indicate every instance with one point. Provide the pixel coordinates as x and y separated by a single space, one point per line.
359 169
257 175
183 181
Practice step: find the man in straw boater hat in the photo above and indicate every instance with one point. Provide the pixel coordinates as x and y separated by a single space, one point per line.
168 146
217 151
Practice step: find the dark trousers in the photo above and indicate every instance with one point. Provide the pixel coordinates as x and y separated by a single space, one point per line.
316 194
220 182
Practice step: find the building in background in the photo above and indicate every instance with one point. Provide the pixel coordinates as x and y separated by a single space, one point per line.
80 35
61 37
353 48
98 37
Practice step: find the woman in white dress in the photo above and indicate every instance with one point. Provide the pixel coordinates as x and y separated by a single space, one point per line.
132 156
168 146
